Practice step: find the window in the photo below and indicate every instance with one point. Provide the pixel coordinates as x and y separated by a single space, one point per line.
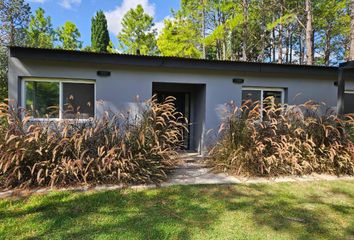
42 98
260 94
349 102
59 99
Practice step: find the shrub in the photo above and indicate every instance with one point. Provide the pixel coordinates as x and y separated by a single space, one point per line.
114 149
290 140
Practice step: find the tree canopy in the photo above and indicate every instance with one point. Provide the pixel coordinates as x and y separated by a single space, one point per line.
99 33
179 38
40 32
69 36
138 33
283 31
14 19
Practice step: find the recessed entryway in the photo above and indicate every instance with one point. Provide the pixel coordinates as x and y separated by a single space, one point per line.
190 101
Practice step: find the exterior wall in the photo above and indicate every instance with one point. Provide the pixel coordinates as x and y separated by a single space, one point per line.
117 92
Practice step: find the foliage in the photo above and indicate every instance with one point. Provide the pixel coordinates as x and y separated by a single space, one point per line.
113 149
267 30
99 33
40 32
178 38
14 19
288 141
69 36
110 48
3 73
332 28
277 211
137 33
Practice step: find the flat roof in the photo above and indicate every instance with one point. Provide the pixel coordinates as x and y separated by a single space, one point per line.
41 54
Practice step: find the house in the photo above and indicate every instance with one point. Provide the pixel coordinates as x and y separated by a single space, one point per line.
99 82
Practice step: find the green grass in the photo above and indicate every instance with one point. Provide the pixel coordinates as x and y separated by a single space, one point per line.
312 210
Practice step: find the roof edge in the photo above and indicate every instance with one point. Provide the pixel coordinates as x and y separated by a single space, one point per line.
162 61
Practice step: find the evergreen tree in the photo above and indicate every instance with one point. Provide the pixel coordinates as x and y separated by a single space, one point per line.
351 36
110 48
99 33
69 36
40 32
14 19
138 33
179 38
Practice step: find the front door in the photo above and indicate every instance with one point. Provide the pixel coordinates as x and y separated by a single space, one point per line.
182 104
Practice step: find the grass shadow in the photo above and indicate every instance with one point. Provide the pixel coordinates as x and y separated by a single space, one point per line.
279 211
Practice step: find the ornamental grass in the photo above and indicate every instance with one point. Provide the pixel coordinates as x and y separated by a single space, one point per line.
287 140
137 148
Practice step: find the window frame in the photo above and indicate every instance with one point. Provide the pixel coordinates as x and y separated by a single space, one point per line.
262 89
348 92
61 101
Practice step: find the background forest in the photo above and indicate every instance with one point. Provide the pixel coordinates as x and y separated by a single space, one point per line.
313 32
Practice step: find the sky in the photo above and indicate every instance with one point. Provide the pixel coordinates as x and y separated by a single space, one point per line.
80 12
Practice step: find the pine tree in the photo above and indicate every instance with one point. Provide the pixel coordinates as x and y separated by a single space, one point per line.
138 33
14 19
69 36
99 33
351 48
179 38
40 32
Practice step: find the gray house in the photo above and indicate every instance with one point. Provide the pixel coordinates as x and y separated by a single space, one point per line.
48 77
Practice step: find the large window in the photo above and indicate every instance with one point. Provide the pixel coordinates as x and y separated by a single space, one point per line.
59 99
260 94
349 102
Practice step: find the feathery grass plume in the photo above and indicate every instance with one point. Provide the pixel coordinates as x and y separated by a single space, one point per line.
112 149
289 140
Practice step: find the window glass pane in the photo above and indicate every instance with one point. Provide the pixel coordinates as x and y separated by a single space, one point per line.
349 103
268 97
42 98
253 95
78 100
276 94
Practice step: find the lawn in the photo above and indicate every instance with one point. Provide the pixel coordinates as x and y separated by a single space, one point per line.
311 210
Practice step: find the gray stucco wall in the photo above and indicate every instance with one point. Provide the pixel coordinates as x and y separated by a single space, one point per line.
117 92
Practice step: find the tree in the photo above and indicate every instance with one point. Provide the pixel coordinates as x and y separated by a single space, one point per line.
99 33
110 48
332 26
138 33
40 32
309 32
351 6
179 38
14 19
69 36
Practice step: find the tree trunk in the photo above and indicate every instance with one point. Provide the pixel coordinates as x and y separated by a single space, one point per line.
291 48
280 36
351 51
273 45
245 31
203 29
327 50
301 49
287 43
280 45
309 33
